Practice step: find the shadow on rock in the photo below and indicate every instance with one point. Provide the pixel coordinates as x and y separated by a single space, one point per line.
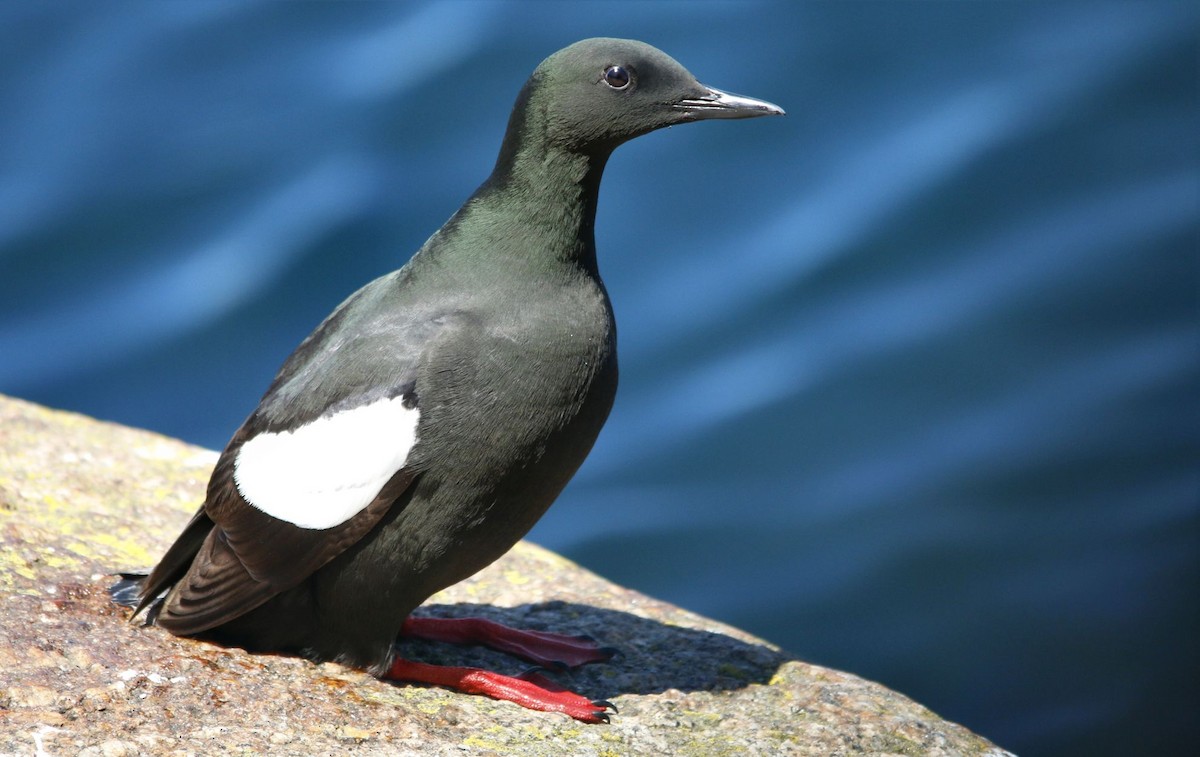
652 656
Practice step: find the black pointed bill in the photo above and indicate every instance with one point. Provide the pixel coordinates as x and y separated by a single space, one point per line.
718 104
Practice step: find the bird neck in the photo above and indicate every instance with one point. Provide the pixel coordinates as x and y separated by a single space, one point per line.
550 189
556 193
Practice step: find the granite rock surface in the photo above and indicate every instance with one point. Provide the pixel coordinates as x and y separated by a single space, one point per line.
81 499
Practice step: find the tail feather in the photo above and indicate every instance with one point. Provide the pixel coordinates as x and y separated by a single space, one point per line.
141 591
127 592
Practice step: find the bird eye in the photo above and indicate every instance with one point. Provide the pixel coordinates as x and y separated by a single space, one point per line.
616 77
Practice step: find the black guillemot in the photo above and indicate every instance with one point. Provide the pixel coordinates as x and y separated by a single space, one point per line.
424 427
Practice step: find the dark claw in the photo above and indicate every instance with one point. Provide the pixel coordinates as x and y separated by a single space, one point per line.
609 652
602 717
604 704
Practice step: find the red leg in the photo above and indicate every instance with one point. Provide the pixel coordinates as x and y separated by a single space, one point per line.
532 691
538 647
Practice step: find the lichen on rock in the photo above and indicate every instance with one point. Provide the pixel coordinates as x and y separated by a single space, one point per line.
81 499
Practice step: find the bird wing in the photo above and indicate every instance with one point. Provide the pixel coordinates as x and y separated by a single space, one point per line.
316 466
250 556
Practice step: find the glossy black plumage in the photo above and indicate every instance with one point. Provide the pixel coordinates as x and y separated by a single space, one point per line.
498 333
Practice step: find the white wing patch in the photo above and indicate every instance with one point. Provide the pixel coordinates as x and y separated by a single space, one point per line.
325 472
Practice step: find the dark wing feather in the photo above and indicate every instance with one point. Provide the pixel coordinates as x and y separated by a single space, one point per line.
233 557
250 557
175 563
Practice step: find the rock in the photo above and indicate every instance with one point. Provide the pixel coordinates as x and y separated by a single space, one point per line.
81 499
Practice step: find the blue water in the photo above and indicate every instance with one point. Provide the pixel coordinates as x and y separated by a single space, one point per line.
909 377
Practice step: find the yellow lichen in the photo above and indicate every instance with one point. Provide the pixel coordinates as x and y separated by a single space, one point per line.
515 577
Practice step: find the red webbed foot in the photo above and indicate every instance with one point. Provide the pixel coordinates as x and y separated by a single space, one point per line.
533 691
551 650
